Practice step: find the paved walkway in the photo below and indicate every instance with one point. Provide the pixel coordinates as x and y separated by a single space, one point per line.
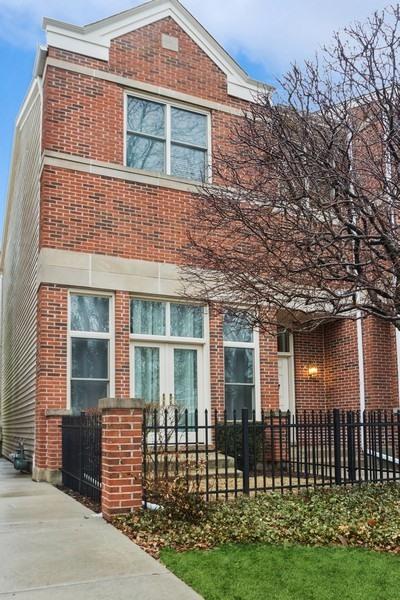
53 548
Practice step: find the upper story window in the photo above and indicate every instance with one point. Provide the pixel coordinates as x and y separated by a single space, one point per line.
166 139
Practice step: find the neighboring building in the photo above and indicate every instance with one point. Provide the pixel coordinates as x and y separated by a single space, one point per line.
116 132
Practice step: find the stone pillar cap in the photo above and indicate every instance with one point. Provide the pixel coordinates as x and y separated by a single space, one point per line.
128 403
58 412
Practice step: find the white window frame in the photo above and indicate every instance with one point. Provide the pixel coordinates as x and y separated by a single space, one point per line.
201 343
168 104
290 353
167 338
255 346
110 336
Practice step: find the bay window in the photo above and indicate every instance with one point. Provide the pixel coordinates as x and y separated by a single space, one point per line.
90 341
166 139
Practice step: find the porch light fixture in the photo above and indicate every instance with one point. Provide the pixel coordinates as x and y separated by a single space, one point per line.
312 371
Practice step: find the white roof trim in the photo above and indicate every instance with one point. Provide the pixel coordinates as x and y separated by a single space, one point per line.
94 40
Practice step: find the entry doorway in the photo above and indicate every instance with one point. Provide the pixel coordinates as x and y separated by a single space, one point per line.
169 375
286 371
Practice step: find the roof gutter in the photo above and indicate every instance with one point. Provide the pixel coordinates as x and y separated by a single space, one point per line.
40 61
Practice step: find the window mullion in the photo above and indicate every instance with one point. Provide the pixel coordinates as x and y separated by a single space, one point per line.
168 138
168 319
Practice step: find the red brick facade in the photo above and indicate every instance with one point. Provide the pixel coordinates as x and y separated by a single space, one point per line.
51 391
90 213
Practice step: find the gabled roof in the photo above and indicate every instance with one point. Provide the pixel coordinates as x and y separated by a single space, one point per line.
94 39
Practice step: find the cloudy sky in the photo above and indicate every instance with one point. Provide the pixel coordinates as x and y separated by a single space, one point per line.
265 36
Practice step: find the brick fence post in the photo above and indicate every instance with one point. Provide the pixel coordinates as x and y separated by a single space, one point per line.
121 464
51 469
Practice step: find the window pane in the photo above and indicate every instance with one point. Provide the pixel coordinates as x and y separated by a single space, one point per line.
238 397
89 358
86 394
89 313
147 317
188 162
145 153
239 365
237 328
283 341
185 381
146 117
147 374
188 127
186 321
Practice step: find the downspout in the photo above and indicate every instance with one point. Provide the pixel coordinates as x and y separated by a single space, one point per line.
398 362
361 374
388 170
361 377
360 351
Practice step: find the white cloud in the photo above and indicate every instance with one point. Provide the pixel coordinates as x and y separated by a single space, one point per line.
270 32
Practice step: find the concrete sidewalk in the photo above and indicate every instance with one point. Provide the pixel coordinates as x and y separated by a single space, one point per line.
53 548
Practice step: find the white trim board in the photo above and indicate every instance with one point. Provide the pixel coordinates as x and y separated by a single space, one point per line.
94 40
360 353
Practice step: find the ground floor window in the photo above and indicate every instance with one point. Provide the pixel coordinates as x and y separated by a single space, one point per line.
168 340
169 354
90 343
239 364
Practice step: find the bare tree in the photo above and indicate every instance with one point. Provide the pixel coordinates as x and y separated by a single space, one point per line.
304 219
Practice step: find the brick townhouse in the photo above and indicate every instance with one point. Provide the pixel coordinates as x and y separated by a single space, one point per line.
116 133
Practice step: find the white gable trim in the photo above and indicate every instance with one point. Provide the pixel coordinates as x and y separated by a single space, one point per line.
94 40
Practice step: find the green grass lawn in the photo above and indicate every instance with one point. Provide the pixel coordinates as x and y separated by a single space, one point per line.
261 572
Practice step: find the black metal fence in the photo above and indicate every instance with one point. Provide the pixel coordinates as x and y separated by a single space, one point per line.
222 458
81 454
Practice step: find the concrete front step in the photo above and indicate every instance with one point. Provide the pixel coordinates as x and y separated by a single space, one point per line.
223 462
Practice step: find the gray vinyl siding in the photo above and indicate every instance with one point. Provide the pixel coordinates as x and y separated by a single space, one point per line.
19 290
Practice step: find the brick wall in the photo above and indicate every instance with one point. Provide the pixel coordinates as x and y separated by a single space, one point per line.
333 349
309 350
88 213
269 384
51 372
341 365
122 345
380 365
217 378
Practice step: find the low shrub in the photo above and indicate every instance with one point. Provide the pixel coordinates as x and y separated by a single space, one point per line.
178 499
229 438
367 516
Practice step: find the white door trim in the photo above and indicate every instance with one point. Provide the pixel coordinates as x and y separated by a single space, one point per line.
167 369
289 357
